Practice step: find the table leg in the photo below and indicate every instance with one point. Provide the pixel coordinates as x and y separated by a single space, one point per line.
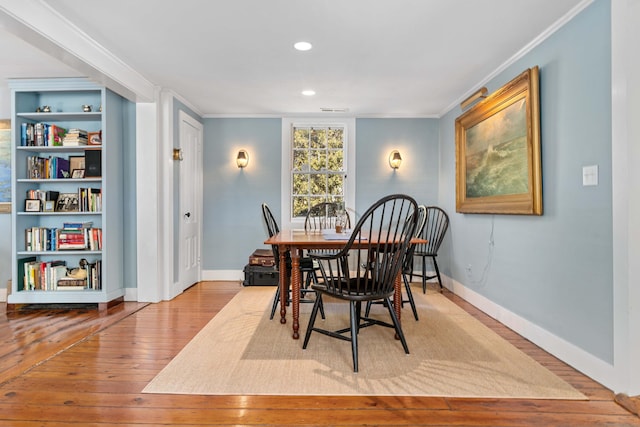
397 298
295 290
284 284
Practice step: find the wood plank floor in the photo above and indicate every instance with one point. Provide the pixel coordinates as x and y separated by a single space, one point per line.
79 367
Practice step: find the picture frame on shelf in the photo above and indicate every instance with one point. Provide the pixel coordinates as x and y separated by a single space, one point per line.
49 206
75 163
94 138
498 162
67 202
77 173
32 205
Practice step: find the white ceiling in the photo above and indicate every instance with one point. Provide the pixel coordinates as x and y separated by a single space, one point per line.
391 58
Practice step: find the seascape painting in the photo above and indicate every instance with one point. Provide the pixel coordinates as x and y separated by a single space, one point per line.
5 162
496 154
498 162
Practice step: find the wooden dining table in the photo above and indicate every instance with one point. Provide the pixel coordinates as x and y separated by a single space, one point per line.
296 241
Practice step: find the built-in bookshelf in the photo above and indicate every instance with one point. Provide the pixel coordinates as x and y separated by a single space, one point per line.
67 191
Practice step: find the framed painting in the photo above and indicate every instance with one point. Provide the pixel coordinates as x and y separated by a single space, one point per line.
498 166
5 166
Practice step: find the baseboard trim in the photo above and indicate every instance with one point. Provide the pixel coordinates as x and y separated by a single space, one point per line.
223 275
589 365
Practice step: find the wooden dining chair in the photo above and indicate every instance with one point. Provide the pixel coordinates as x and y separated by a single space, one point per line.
378 244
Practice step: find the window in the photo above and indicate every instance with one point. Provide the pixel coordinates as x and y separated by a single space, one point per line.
318 155
317 173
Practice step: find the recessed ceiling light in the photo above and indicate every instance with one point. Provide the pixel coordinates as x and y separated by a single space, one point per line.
303 46
308 92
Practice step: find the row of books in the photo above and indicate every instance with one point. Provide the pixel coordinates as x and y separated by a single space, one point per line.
56 276
86 199
41 135
68 237
47 167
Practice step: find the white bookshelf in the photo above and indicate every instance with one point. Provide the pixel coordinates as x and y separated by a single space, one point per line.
66 98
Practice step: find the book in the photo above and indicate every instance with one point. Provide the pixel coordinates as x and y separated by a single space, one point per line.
77 225
61 167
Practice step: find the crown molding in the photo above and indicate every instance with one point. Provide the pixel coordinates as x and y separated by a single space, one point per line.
39 24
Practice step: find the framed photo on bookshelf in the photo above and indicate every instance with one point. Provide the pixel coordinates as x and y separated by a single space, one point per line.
94 138
77 173
32 205
76 162
67 202
49 206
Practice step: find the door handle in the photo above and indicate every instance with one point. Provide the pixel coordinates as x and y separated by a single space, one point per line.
187 215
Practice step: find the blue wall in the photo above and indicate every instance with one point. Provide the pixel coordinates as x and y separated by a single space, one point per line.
555 270
233 196
232 225
417 141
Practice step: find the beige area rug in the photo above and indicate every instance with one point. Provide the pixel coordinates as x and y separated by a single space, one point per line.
240 351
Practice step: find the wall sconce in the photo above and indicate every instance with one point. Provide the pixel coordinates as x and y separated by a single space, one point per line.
243 158
177 154
395 159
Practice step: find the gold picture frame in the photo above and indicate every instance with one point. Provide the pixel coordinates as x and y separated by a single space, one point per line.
498 165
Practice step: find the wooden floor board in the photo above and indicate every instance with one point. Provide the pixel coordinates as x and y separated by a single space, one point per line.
88 369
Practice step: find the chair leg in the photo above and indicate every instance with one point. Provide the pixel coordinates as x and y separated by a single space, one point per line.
312 319
424 274
276 299
410 295
435 265
355 322
396 324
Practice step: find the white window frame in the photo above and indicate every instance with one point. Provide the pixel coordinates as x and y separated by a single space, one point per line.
288 124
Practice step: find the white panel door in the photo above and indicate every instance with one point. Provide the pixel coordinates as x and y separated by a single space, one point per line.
190 201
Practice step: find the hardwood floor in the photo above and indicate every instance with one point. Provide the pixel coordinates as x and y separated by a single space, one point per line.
84 367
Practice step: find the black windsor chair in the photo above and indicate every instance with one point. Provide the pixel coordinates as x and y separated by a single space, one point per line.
378 244
435 228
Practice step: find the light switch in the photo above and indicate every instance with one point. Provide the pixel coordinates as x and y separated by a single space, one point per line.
590 175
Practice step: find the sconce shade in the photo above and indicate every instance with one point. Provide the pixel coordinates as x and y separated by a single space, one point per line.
395 159
243 158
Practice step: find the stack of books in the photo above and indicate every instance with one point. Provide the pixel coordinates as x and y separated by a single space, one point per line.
75 137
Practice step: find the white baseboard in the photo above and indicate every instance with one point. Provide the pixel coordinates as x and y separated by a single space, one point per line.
3 295
131 294
591 366
223 275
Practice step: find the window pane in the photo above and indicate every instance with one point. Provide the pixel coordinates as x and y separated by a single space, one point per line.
300 184
318 183
318 138
300 160
335 185
318 160
300 206
301 138
335 161
335 138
